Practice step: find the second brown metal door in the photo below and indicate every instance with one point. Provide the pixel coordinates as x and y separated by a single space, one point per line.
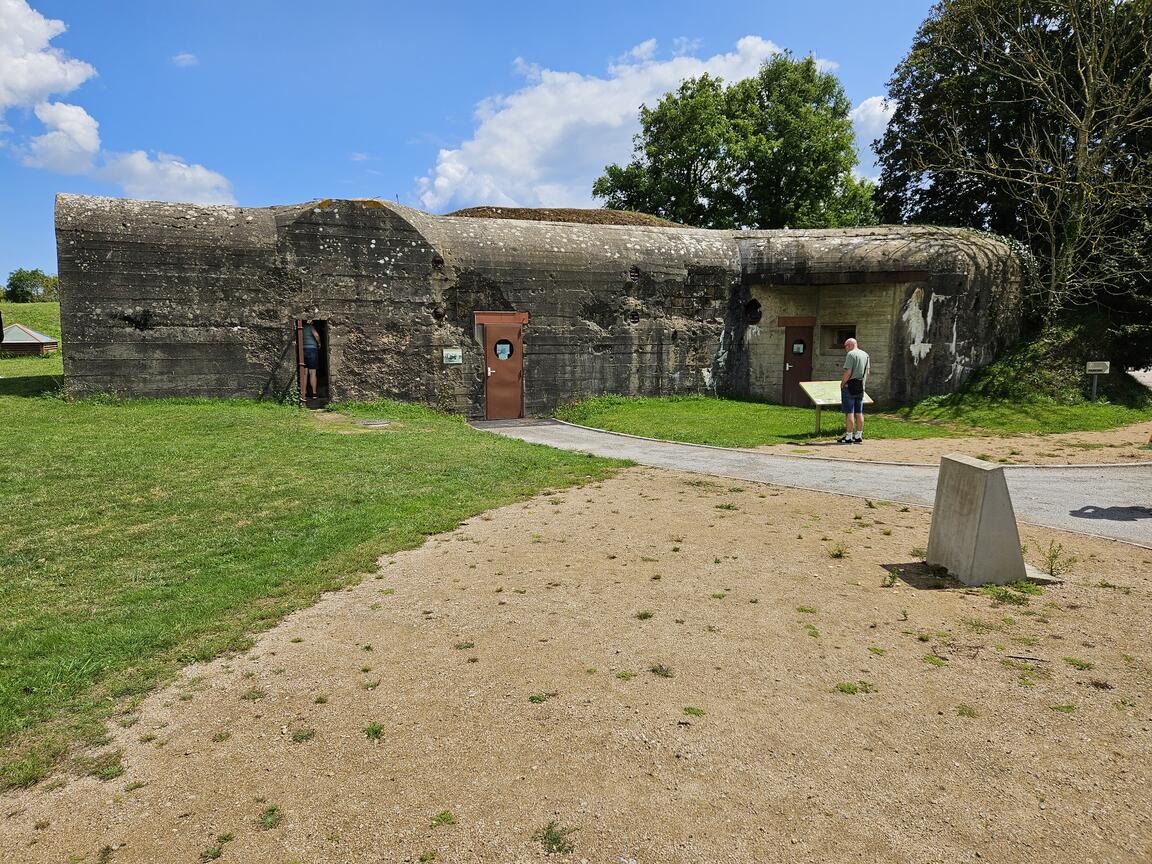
797 364
503 371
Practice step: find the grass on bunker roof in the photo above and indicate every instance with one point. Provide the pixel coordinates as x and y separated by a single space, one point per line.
143 535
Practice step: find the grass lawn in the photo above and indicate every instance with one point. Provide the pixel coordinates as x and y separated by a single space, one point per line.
139 536
732 423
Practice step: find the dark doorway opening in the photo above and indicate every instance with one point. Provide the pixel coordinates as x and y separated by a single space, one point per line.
323 394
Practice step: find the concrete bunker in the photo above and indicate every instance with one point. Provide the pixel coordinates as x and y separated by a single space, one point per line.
173 299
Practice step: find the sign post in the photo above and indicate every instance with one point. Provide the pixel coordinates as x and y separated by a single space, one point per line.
824 394
1096 368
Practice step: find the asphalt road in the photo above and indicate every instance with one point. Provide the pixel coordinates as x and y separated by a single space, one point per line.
1110 501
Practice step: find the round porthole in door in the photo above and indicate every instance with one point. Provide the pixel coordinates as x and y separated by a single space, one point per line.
502 349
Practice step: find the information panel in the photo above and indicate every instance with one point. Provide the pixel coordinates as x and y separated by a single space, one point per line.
825 393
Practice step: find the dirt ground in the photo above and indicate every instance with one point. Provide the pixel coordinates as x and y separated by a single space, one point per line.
509 669
1126 444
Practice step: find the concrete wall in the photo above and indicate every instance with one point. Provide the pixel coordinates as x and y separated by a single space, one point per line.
170 299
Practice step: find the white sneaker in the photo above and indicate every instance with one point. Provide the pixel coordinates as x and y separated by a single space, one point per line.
847 439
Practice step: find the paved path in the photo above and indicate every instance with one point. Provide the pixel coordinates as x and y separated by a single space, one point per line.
1111 501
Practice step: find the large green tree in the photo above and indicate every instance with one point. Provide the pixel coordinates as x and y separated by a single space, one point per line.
31 286
771 151
1033 118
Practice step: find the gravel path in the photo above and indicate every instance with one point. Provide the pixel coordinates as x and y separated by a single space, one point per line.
1110 501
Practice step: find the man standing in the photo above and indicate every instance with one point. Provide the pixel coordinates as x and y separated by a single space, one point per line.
852 392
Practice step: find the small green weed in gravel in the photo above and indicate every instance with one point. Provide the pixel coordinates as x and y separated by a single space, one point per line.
217 849
1076 663
104 766
624 675
1003 595
221 737
966 711
694 712
1055 561
719 595
270 817
374 731
811 630
806 610
425 857
444 817
1123 589
371 685
660 670
541 698
879 652
838 551
644 615
553 837
302 735
321 699
934 660
852 688
134 785
464 646
1064 709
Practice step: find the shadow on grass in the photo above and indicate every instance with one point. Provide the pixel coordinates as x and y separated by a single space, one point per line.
30 385
924 577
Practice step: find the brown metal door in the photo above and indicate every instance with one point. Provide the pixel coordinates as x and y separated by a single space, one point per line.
504 372
797 364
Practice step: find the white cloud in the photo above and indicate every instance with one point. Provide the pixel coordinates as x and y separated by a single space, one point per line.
545 144
30 69
71 142
165 178
185 59
869 119
644 52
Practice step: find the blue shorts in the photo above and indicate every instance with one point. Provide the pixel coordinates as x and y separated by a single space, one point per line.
311 358
851 404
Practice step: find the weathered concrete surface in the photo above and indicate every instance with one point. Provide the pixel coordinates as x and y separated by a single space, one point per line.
973 534
1108 500
173 299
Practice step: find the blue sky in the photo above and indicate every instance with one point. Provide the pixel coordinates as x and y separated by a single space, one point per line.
438 105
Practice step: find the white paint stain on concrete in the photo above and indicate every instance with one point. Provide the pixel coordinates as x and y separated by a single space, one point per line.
917 325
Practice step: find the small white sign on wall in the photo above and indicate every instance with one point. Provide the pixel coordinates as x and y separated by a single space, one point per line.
453 356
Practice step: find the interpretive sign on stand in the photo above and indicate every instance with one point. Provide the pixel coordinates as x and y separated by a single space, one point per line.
824 394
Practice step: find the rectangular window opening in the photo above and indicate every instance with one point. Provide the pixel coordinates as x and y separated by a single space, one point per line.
833 336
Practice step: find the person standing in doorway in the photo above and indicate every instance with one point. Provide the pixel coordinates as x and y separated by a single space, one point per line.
852 392
311 359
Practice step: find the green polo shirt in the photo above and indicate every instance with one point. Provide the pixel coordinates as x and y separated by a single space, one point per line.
856 361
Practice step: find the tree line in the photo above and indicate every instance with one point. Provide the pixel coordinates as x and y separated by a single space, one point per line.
31 286
1031 119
